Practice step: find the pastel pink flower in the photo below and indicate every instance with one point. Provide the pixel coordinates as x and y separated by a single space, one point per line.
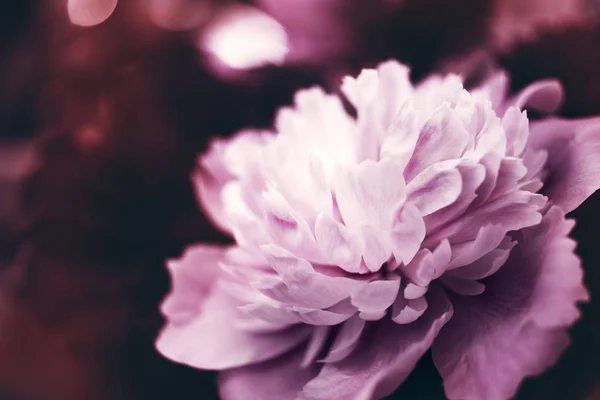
434 218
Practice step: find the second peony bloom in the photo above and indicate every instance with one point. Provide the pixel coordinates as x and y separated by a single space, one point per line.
434 218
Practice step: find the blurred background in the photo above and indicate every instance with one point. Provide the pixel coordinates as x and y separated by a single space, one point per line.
104 105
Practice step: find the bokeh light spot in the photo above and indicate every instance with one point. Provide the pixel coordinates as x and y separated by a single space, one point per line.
244 37
90 12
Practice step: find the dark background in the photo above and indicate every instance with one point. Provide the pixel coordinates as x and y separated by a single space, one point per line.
96 148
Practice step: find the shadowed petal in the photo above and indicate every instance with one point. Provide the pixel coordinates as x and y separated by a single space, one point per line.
281 378
516 328
573 159
385 356
346 340
544 96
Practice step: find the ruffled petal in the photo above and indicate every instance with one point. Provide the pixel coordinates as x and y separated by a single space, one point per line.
211 341
370 193
280 378
346 340
443 137
300 284
340 245
516 327
435 188
387 353
376 296
573 163
545 96
193 277
226 160
407 234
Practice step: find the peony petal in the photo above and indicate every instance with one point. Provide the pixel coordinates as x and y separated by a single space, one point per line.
370 193
488 238
192 277
257 382
471 176
516 127
511 171
494 89
435 188
361 89
442 138
226 160
346 340
428 265
407 234
315 345
304 286
394 87
462 286
516 328
286 227
513 211
406 311
340 246
412 291
211 342
375 296
402 135
387 353
486 265
319 317
545 96
491 162
274 314
376 247
573 159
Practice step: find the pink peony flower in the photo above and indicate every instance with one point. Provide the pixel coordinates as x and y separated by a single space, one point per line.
435 218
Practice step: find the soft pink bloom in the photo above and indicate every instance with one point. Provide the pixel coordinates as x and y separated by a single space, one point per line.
433 219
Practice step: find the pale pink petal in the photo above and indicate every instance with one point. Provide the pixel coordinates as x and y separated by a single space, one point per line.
412 291
301 285
370 183
340 245
471 176
435 188
407 234
375 296
402 135
209 342
428 265
516 126
286 227
376 248
193 277
442 138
